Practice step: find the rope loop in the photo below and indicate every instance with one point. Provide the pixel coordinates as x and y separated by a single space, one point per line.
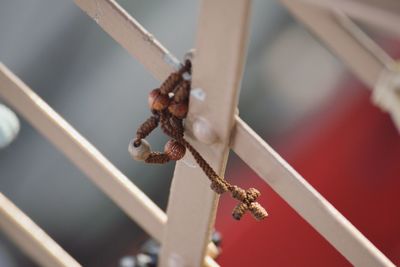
169 105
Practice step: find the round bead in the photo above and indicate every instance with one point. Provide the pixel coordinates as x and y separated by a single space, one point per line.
140 152
174 150
179 110
158 101
182 92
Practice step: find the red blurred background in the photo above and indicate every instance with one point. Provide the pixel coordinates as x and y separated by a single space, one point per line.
350 152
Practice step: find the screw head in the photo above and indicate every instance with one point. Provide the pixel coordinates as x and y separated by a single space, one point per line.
203 132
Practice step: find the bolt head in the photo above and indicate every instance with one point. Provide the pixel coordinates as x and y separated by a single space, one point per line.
203 132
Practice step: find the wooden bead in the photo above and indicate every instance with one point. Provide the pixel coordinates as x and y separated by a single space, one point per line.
140 152
182 92
158 101
179 110
174 150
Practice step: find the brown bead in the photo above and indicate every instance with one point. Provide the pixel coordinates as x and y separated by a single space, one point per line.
179 110
158 101
174 150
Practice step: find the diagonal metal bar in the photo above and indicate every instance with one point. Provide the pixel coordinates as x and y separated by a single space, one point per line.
361 54
304 199
83 154
131 35
86 157
31 238
383 14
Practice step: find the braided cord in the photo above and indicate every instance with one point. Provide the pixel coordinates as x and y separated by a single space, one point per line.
173 127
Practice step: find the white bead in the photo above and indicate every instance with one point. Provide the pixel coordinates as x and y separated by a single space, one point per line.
9 126
141 152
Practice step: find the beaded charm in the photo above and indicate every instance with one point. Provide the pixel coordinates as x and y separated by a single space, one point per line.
169 105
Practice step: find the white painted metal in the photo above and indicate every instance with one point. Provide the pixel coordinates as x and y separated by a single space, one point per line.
31 238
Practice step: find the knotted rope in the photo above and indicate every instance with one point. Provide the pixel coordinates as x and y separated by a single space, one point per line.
169 105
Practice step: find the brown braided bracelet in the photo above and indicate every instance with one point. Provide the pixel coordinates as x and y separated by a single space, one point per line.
169 105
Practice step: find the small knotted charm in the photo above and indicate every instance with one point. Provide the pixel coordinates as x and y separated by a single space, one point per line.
248 202
169 106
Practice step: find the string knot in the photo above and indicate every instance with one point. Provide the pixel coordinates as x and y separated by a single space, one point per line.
169 105
219 186
252 194
248 202
238 193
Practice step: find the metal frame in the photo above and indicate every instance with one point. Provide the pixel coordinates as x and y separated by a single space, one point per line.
214 111
245 142
382 14
330 21
30 238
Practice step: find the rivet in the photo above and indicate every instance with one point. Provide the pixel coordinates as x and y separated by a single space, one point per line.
203 132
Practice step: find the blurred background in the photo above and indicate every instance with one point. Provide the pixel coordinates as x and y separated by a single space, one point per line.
295 94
